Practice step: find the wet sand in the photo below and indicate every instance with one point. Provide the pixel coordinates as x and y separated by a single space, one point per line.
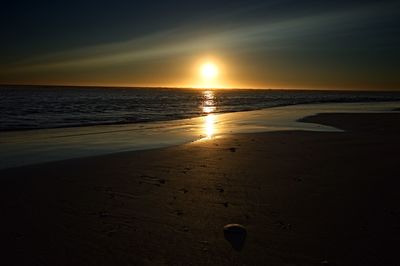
305 198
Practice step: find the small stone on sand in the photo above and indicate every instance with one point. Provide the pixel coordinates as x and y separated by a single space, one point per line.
236 235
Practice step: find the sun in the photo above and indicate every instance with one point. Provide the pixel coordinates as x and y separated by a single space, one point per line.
209 70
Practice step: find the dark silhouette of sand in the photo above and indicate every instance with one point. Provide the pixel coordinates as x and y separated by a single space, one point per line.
305 198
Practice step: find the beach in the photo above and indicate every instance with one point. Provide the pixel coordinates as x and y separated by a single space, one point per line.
178 133
304 197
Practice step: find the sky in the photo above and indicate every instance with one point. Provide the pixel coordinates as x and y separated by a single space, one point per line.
254 44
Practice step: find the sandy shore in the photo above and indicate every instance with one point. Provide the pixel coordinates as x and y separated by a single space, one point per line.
305 198
27 147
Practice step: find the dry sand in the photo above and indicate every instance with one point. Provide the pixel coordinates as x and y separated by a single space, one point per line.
305 198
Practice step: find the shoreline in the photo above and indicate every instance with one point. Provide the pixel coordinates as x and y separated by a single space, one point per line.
305 198
20 148
127 124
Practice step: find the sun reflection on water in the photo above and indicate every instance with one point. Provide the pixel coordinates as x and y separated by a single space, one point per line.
208 102
208 107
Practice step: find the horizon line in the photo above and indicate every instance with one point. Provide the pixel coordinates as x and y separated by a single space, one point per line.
199 88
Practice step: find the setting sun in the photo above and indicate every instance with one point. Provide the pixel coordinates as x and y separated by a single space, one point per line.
209 70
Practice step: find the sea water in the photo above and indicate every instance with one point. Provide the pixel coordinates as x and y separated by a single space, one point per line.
38 107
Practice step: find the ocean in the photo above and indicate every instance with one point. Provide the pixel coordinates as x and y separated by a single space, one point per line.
37 107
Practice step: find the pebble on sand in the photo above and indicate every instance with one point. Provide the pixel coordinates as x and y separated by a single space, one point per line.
235 234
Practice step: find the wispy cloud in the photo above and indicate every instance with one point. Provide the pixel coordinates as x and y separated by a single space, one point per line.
260 34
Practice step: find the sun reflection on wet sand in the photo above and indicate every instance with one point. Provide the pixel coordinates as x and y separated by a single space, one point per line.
209 126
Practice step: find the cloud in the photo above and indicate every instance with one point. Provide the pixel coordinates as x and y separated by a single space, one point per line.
254 34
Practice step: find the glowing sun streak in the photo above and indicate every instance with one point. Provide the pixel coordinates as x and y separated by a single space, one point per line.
209 126
209 70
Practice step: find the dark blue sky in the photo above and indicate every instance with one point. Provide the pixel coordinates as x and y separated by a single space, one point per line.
287 44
